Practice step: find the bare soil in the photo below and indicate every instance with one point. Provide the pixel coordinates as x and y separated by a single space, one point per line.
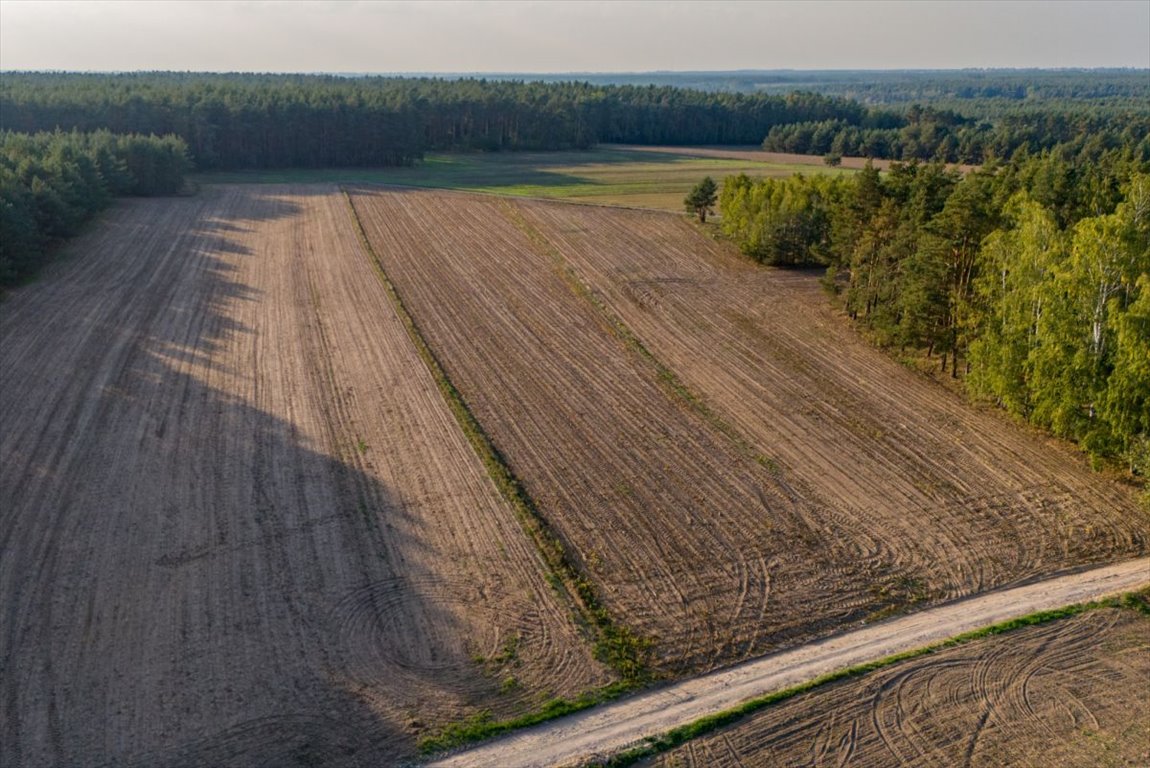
938 498
239 526
828 486
1069 693
692 542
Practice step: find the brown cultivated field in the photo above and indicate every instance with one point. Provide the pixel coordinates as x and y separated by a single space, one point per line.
850 486
239 525
693 543
937 498
1068 693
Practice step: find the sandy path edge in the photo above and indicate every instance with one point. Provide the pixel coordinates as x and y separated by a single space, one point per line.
608 729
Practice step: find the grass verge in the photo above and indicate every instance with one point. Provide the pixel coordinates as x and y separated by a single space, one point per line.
615 645
482 726
1138 601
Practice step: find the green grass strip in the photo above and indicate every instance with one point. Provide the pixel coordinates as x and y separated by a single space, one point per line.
482 726
615 645
1138 601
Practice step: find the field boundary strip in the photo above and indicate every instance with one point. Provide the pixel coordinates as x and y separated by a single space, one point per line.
615 644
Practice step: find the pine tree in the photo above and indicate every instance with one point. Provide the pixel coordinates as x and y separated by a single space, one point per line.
701 200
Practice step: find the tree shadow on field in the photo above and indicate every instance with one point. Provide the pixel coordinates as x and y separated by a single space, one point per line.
194 573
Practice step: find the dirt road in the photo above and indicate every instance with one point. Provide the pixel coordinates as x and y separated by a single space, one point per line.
1065 693
607 730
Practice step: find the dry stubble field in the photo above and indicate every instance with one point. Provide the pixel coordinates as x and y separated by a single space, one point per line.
239 524
1069 693
826 483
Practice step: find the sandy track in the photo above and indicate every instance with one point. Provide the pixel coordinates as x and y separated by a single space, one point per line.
1069 693
611 728
692 542
239 526
938 498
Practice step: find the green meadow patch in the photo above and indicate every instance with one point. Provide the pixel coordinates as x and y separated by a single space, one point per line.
601 176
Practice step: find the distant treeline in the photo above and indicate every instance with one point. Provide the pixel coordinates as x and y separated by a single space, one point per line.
263 121
926 133
1033 276
234 121
52 183
981 90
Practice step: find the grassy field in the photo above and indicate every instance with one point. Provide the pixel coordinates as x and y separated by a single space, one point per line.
642 179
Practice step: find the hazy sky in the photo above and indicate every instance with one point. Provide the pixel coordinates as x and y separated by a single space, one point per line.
558 36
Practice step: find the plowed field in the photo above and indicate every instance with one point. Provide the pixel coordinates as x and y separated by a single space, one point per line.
943 499
1069 693
239 526
689 538
873 487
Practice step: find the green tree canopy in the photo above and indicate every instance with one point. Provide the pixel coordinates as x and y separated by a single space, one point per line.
1040 287
701 200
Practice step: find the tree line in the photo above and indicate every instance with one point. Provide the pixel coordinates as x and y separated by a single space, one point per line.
52 183
977 92
928 133
1029 279
233 121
